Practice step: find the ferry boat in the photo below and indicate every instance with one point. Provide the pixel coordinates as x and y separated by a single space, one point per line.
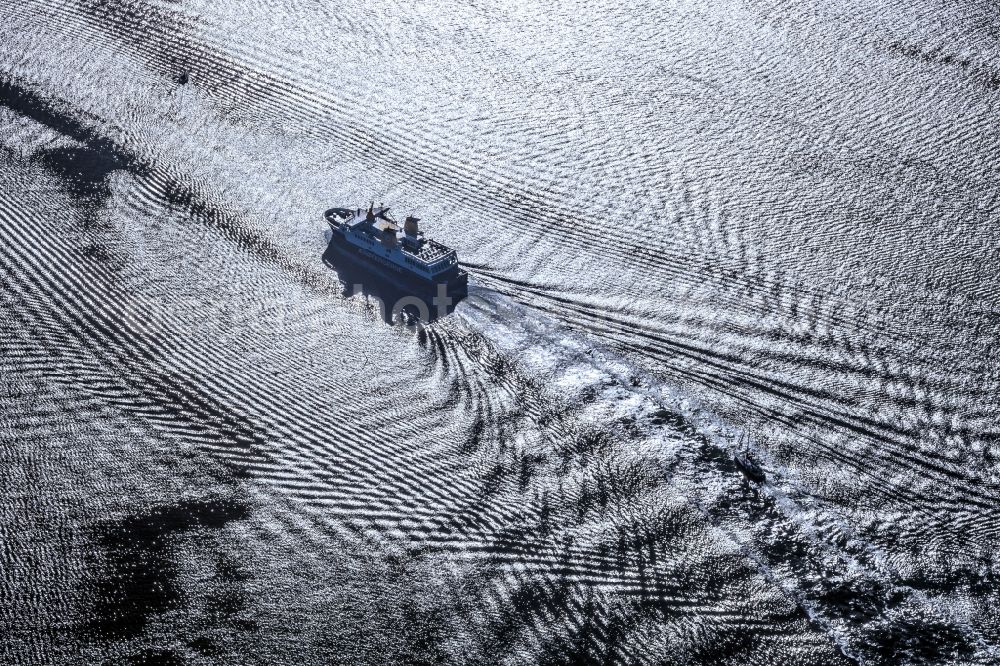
400 254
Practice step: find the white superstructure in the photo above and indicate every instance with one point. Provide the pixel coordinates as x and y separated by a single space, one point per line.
377 236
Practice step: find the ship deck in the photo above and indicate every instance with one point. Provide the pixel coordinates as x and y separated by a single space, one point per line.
429 251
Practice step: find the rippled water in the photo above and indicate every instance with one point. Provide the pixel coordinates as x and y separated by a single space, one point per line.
687 225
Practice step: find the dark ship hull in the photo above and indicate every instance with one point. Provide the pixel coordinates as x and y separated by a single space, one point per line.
453 284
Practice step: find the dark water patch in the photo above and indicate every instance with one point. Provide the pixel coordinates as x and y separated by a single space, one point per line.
204 645
939 55
860 601
155 657
137 579
97 253
85 170
916 640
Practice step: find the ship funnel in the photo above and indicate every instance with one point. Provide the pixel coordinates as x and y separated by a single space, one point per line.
389 236
410 226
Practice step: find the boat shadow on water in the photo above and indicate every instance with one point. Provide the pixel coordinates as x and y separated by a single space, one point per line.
397 303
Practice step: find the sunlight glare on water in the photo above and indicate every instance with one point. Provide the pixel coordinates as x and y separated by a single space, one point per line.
723 390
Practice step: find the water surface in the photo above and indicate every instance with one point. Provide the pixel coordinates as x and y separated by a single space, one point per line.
688 225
